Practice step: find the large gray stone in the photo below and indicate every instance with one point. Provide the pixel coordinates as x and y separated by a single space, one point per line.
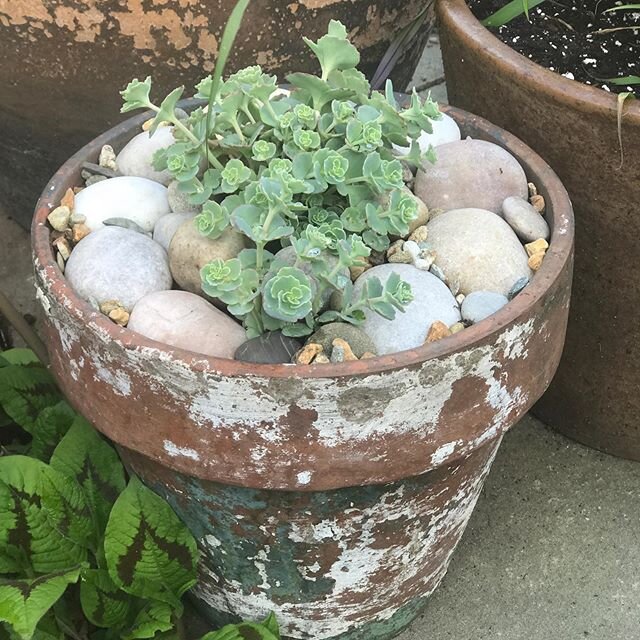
138 199
524 219
187 321
136 158
478 251
189 251
167 226
479 305
118 264
470 173
432 301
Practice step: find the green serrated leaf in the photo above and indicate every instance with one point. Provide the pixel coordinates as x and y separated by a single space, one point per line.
84 455
49 428
155 617
24 602
149 551
44 524
102 602
26 388
247 631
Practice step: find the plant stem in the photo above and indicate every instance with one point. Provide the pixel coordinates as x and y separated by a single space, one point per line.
260 245
22 327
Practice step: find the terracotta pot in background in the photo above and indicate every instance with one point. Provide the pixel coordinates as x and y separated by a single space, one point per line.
333 494
64 62
594 397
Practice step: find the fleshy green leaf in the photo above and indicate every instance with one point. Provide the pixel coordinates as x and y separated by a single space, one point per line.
24 602
84 455
149 551
44 523
334 51
102 602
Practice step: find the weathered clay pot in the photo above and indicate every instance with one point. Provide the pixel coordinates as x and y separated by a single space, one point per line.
594 396
332 494
64 62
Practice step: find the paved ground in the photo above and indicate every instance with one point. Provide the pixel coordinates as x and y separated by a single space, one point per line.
553 549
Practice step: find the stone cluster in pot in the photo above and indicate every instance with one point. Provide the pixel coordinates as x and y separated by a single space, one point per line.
129 246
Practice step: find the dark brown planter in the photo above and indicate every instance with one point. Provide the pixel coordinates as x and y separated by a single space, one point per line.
332 494
64 62
594 397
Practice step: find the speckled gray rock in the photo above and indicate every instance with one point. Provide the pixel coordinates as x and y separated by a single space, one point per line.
528 224
477 250
179 202
432 301
479 305
470 173
357 338
269 348
189 251
187 321
139 199
167 226
136 158
113 263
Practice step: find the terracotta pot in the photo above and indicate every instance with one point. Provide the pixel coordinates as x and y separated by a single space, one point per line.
593 397
64 62
332 494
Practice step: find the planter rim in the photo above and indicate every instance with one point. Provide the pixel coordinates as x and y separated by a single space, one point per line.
559 214
487 45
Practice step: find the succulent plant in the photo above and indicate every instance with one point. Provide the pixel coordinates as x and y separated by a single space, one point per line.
312 168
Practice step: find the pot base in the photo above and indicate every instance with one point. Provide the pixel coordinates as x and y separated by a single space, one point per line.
349 564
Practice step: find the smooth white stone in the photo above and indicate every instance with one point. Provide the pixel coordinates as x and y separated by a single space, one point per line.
432 301
187 321
136 158
479 305
139 199
167 226
118 264
477 250
444 130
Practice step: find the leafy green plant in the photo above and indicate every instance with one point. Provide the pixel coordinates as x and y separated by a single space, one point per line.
85 553
309 177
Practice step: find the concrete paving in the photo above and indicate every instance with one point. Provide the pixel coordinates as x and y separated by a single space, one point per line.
552 551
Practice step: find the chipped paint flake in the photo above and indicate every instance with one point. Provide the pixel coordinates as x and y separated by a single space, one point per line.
174 450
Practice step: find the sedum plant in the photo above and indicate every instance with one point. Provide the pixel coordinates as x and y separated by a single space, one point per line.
309 176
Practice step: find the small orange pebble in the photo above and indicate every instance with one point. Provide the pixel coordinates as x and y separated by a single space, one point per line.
348 352
308 353
68 199
538 203
79 231
437 331
537 246
535 261
119 316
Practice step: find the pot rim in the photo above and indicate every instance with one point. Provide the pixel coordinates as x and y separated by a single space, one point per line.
559 215
485 44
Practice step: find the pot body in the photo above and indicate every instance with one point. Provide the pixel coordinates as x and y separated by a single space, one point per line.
333 494
64 63
593 398
356 563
